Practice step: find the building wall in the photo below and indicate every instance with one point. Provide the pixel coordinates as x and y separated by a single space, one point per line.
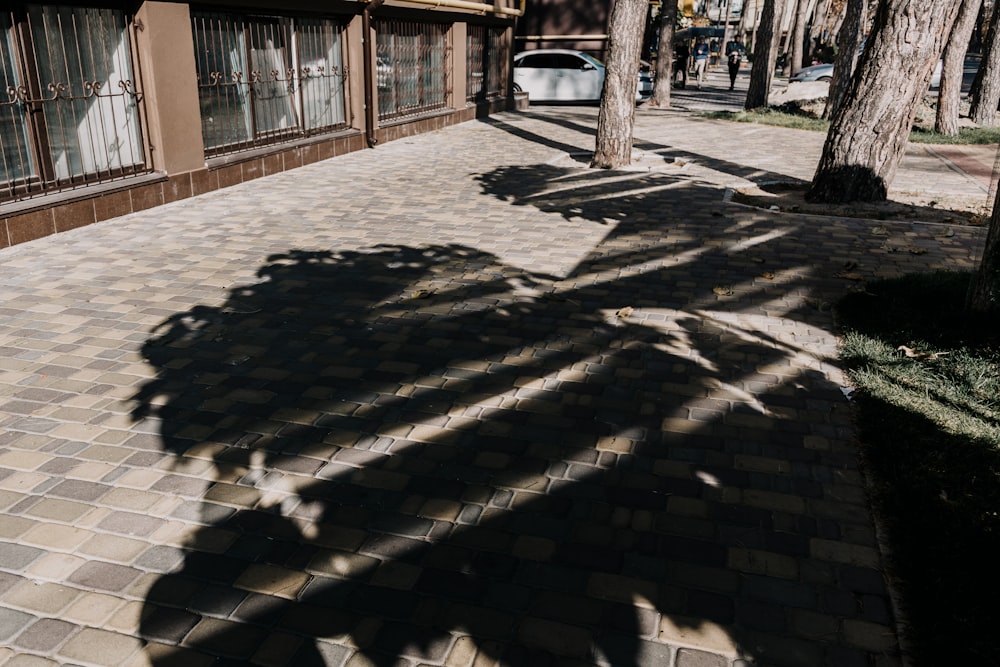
560 24
165 52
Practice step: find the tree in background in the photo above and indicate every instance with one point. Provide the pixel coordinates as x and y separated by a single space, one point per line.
665 56
985 93
984 292
616 117
765 54
849 39
869 131
798 37
953 69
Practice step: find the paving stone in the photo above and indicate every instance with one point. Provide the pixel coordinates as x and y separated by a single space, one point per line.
99 647
44 635
12 622
551 636
42 597
17 556
129 523
104 576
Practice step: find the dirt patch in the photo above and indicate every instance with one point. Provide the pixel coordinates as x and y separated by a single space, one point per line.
790 197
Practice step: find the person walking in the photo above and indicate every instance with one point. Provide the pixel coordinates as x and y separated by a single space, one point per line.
734 55
682 62
713 54
700 60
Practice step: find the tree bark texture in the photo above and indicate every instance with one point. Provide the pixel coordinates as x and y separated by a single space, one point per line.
852 32
953 69
985 93
765 54
984 292
665 58
868 134
798 37
616 117
820 13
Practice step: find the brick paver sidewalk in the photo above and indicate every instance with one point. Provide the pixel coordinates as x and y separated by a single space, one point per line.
453 401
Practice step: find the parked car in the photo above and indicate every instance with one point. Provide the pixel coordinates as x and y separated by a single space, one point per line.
561 75
821 72
824 72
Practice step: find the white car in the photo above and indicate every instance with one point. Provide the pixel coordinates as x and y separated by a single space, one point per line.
561 75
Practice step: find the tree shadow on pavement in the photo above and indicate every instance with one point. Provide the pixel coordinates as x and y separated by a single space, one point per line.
668 154
413 453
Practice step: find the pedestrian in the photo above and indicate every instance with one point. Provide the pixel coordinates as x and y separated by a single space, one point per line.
713 54
700 60
734 54
682 54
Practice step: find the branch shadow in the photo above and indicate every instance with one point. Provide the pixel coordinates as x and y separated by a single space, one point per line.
413 451
669 154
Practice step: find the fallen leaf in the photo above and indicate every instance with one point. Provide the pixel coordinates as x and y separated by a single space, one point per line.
880 231
767 275
723 290
848 275
921 356
947 232
917 251
624 312
819 304
420 294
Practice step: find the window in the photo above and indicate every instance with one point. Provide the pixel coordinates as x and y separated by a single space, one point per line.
267 79
69 113
486 70
553 61
412 67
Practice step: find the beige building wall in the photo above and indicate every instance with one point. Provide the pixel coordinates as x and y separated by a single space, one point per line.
459 34
166 55
354 57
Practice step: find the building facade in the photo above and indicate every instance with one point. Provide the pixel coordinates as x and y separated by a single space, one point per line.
110 107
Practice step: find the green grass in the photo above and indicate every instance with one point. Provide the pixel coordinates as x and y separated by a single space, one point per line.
930 439
971 135
799 120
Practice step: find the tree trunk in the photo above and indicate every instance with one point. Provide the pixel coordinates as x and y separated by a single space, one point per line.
869 132
852 32
665 58
798 37
953 69
986 90
984 292
765 54
616 117
818 23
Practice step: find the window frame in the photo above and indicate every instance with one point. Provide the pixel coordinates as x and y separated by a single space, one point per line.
249 77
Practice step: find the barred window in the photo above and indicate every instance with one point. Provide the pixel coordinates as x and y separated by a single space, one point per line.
267 79
487 54
69 108
411 67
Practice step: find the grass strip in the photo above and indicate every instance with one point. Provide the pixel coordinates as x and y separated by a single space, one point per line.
798 120
927 378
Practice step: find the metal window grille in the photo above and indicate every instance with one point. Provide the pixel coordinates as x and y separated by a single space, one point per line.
487 54
267 79
70 110
412 67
